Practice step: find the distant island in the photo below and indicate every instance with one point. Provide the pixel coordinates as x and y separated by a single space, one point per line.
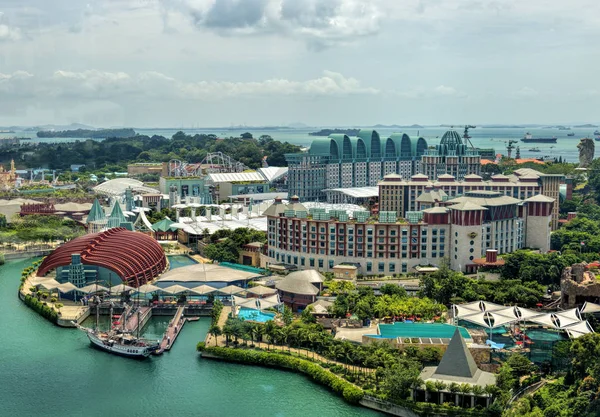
327 132
585 126
380 126
87 133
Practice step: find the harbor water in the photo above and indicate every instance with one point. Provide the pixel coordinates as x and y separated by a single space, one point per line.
488 137
51 371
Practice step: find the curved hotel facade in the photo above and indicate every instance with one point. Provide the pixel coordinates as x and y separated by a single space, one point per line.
461 229
344 161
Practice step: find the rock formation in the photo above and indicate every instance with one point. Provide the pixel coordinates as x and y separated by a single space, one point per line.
578 285
586 152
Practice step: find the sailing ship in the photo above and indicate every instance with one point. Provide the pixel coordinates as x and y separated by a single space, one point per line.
119 341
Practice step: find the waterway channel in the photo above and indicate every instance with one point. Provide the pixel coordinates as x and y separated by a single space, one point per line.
50 371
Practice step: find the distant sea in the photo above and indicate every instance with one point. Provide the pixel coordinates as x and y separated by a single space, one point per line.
496 138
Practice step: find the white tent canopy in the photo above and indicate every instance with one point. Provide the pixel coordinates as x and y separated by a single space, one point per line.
590 308
66 287
92 289
147 289
579 329
203 289
121 288
49 284
230 290
176 289
488 319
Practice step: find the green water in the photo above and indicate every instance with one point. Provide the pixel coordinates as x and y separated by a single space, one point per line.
49 371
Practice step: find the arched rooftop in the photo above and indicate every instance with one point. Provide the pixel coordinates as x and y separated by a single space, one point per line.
368 145
135 257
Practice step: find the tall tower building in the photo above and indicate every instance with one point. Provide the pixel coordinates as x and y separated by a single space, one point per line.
451 156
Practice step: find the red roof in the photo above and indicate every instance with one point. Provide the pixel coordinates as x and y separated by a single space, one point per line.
137 258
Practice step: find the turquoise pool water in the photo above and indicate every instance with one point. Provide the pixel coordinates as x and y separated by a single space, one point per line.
544 335
441 330
178 261
255 315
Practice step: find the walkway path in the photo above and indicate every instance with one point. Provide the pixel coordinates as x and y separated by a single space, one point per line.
301 352
173 330
131 324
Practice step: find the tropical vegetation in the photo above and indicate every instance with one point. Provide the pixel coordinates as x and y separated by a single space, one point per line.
39 228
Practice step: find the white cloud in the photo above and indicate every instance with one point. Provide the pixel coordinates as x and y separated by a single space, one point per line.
8 33
99 85
320 23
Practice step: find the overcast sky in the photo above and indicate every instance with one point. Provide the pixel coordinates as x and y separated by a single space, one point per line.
151 63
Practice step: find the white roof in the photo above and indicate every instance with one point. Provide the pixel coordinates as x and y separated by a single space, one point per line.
358 192
118 289
236 176
93 288
147 288
488 319
230 290
579 329
203 289
175 289
590 308
273 173
118 186
66 287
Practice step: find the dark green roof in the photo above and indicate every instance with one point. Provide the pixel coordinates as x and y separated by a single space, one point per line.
116 216
96 212
164 226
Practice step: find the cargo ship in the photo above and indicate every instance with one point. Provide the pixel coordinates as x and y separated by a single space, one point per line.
528 138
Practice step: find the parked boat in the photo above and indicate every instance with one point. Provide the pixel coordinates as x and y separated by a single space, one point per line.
528 138
571 134
534 150
118 341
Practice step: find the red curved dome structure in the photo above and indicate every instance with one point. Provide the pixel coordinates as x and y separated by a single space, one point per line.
134 256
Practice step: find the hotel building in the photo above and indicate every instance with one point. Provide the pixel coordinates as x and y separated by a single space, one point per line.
461 229
341 161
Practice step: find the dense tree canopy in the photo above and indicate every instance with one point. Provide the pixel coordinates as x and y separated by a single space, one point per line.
114 154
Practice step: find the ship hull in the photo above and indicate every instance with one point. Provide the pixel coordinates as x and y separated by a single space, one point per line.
128 351
539 140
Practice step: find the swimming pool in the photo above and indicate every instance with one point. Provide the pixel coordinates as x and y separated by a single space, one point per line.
544 335
178 261
415 330
252 314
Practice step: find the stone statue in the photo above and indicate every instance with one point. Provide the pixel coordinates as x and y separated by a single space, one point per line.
586 152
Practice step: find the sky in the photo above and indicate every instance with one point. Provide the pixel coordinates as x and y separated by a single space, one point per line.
170 63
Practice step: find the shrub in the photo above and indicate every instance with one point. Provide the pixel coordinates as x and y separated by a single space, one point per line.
41 308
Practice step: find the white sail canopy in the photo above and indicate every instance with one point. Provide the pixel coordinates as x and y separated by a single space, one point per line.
92 289
49 284
203 289
590 308
230 290
176 289
119 289
488 319
66 287
147 289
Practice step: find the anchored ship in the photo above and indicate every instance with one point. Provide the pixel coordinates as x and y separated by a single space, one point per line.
119 341
530 139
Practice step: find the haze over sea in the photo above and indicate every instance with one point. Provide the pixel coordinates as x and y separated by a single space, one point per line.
496 138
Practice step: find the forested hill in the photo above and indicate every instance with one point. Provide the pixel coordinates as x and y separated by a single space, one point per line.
87 133
114 154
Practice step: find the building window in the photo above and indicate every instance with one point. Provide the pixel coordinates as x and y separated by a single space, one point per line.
404 267
312 262
320 263
330 264
369 266
381 267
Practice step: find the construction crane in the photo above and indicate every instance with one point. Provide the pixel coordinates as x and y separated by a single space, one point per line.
511 146
466 135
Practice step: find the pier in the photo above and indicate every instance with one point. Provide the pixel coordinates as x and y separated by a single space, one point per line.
175 326
137 319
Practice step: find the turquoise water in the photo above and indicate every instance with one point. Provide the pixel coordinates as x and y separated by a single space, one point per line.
46 370
178 261
255 315
444 331
544 335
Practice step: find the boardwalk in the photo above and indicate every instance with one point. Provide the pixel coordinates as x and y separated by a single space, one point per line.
270 347
173 330
131 323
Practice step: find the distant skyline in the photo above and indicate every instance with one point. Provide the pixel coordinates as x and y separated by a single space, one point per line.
207 63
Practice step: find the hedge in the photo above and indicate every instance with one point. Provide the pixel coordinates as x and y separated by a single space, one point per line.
351 393
41 308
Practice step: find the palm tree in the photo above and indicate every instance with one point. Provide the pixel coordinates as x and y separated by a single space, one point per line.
215 331
454 388
228 332
439 387
477 391
465 390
